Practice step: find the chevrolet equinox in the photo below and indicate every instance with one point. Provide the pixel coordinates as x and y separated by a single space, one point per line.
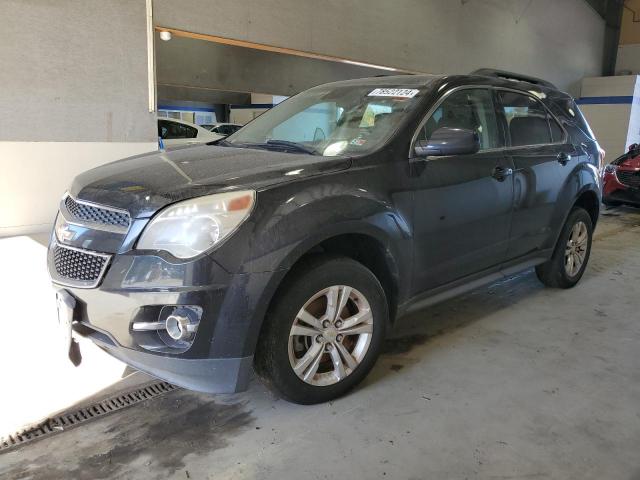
290 247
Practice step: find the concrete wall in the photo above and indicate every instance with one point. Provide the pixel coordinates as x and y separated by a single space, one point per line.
628 61
630 25
73 72
73 78
616 125
558 40
200 66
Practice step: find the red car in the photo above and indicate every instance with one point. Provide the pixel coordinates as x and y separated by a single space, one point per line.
621 179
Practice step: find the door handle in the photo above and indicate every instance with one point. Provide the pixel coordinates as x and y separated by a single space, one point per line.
500 173
563 158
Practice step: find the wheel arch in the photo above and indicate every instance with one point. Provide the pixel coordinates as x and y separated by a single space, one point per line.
580 188
590 201
360 245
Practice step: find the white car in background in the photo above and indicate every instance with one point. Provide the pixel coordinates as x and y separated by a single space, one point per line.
224 129
174 133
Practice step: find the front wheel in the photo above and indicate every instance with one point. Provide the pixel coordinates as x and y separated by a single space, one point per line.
324 331
570 257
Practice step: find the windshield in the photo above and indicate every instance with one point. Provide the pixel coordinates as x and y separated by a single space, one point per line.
331 120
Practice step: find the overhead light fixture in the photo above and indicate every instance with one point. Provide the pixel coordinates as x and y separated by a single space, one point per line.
370 65
164 35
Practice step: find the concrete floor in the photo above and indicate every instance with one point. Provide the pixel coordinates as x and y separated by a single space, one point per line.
38 362
511 381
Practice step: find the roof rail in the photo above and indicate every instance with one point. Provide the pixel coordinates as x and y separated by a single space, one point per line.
490 72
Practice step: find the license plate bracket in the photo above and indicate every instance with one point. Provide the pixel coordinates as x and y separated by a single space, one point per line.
66 305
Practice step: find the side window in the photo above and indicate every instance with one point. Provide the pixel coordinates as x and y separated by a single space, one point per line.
528 122
471 109
171 130
162 129
190 131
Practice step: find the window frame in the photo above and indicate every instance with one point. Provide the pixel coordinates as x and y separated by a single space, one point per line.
507 135
500 117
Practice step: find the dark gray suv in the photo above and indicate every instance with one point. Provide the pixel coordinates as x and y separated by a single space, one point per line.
293 245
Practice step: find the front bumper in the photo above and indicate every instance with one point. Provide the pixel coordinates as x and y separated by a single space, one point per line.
210 375
615 192
220 358
628 197
624 195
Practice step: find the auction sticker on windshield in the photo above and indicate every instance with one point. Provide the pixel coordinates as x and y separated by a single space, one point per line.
394 92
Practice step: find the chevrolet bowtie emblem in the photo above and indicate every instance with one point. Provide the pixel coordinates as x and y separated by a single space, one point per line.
65 233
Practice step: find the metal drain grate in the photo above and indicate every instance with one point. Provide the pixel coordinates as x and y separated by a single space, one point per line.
68 420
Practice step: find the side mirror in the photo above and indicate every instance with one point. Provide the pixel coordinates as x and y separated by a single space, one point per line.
448 141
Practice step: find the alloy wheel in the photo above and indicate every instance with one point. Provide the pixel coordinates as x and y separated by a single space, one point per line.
576 249
330 335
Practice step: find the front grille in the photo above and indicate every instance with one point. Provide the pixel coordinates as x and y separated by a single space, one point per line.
99 215
77 265
629 178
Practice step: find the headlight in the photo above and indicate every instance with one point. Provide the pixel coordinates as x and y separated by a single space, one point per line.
189 228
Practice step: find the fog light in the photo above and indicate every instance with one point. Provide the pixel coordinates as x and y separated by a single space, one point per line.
180 325
173 331
179 328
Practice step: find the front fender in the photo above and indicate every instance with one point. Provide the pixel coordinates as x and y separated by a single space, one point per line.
300 220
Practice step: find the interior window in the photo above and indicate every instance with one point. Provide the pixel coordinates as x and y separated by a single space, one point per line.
527 120
471 109
311 124
374 113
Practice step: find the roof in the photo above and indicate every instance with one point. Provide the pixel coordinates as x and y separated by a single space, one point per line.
484 77
408 80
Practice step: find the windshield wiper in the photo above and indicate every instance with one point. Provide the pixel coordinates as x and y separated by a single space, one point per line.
298 146
268 145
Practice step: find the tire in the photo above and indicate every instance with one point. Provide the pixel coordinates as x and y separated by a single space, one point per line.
280 348
558 272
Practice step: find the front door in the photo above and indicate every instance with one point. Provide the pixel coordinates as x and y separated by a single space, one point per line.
463 203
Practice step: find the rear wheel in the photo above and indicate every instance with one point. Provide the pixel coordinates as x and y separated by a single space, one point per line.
570 257
324 331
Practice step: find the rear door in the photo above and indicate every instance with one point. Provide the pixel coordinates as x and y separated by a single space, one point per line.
463 203
543 157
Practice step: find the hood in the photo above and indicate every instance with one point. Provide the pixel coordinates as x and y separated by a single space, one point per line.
145 183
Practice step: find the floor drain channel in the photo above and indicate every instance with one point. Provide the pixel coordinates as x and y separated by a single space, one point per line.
68 420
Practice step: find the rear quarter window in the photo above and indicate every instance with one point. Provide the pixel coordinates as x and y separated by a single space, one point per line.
569 111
